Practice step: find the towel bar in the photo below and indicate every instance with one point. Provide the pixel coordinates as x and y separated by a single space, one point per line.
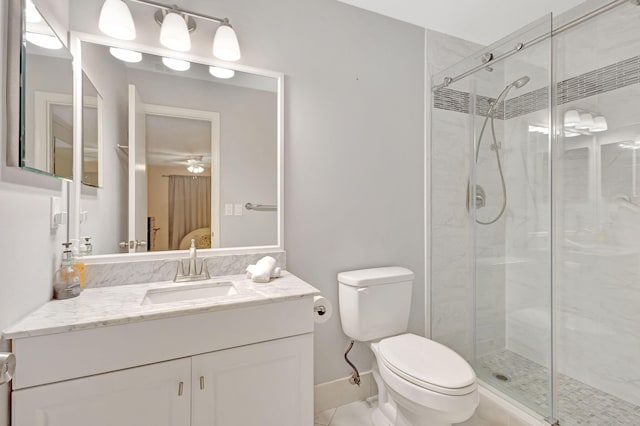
261 207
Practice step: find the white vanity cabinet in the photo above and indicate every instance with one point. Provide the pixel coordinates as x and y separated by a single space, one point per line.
249 364
260 384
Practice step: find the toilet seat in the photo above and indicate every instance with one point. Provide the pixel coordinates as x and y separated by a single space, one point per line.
427 364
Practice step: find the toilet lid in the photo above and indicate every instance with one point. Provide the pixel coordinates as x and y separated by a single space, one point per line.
427 364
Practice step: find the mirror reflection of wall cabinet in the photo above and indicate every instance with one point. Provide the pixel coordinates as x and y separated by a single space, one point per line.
41 115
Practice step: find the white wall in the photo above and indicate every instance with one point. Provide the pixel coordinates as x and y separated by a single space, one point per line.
353 138
28 247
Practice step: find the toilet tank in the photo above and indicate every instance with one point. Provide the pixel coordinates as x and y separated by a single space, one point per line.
375 303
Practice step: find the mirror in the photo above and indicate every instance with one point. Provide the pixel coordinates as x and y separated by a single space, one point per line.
187 155
46 99
91 130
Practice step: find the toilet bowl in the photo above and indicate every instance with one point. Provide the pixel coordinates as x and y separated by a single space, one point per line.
420 382
429 384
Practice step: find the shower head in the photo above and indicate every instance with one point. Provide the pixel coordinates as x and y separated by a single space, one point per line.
520 82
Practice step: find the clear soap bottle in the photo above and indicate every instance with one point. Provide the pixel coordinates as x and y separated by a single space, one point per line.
66 282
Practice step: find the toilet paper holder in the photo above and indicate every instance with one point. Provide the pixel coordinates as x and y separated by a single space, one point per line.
7 367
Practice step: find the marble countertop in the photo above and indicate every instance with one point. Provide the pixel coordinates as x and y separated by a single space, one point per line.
100 307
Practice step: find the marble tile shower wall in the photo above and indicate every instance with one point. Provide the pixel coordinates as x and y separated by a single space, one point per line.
124 273
451 257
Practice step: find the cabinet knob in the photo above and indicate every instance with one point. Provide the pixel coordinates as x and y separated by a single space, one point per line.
180 388
201 382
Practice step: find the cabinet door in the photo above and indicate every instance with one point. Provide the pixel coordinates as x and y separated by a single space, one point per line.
142 396
263 384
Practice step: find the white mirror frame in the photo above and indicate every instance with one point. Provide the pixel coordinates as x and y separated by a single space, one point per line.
76 39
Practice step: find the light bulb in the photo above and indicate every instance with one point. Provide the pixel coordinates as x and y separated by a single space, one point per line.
221 72
44 40
174 33
176 64
196 169
125 55
116 20
571 118
225 43
586 121
599 124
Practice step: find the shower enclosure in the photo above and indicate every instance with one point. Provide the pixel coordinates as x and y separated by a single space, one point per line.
535 214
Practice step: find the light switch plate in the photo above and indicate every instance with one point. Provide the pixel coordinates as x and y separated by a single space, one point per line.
238 209
228 209
56 213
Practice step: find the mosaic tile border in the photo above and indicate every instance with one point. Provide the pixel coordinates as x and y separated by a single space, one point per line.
601 80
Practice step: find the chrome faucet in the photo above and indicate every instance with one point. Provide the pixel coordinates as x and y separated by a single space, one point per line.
193 274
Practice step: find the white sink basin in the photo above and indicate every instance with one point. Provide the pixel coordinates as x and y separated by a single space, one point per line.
184 292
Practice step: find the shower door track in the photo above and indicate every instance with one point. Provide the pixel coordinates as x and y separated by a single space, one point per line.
519 46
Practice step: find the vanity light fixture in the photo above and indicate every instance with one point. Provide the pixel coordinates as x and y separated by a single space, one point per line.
32 16
584 122
116 20
219 72
44 40
175 26
125 55
176 64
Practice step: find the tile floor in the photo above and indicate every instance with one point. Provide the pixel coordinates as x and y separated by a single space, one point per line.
578 403
359 414
355 414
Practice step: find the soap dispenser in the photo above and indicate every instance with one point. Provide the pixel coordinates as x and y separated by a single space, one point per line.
66 282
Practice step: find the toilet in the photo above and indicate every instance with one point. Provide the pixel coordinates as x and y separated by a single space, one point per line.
420 382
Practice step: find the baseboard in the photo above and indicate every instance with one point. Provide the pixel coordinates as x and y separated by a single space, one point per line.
340 392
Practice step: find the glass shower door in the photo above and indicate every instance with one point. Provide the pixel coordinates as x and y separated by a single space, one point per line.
597 230
512 215
491 267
